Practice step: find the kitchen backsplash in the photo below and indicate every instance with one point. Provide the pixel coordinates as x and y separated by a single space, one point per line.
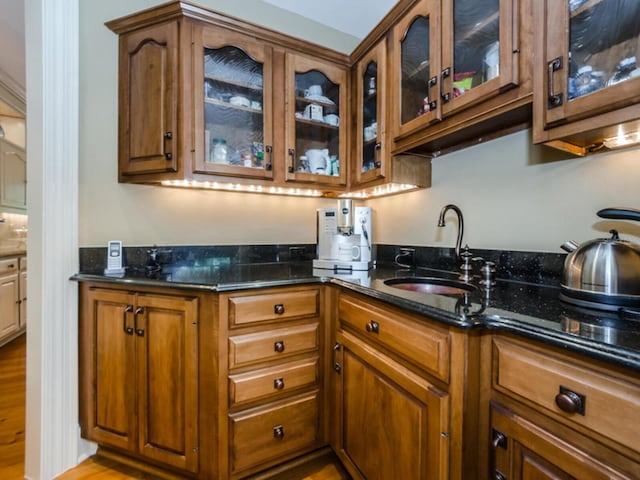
13 232
530 267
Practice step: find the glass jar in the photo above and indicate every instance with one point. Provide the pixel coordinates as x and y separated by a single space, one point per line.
219 151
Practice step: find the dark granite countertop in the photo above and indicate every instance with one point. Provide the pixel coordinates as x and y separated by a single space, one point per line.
530 310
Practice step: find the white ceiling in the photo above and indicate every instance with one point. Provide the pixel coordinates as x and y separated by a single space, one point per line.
354 17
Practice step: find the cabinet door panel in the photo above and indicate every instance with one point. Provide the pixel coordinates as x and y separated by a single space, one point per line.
9 320
167 341
107 364
13 176
394 424
148 119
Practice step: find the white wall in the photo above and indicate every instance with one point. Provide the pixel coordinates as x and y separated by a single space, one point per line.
513 195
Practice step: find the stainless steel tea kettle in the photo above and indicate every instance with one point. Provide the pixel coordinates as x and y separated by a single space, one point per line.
603 273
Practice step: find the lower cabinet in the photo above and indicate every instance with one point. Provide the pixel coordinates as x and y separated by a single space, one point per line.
393 423
10 325
139 374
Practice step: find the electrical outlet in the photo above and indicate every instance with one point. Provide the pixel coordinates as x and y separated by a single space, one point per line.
297 253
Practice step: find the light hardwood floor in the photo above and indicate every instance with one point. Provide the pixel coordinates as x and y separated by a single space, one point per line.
12 401
12 424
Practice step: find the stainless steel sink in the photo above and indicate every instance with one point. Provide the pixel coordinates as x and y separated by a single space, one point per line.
431 285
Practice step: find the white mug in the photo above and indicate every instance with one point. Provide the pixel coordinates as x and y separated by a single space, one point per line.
348 252
318 160
313 91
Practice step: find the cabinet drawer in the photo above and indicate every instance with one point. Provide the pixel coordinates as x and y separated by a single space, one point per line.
262 435
611 404
272 306
423 345
272 344
8 265
273 381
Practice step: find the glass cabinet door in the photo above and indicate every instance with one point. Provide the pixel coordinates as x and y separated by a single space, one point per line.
315 123
371 89
234 136
592 55
477 51
416 65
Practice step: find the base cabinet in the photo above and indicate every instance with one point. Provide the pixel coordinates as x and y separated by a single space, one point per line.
139 374
393 423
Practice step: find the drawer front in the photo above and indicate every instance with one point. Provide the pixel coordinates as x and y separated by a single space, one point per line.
23 263
267 307
272 382
262 435
8 265
423 345
272 344
611 405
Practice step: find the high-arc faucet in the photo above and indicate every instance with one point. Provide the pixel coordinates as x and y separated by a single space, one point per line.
455 208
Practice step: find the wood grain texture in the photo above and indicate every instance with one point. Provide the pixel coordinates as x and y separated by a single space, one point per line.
12 408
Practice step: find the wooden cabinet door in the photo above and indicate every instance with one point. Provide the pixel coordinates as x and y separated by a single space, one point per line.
391 422
522 450
415 69
586 63
316 121
107 368
148 102
13 176
10 318
371 153
479 51
233 95
166 332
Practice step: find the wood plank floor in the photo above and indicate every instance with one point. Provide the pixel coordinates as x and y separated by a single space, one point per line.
13 363
12 425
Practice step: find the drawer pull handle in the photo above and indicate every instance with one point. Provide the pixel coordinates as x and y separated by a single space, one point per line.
570 402
278 383
498 439
279 346
278 432
278 309
373 327
127 329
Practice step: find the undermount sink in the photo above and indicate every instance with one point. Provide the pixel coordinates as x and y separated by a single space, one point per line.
440 286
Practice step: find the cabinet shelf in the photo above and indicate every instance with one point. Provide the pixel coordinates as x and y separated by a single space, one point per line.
234 83
316 123
308 101
424 65
479 28
584 7
221 104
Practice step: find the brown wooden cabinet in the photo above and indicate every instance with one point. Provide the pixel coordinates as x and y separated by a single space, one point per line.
139 374
459 70
202 98
403 394
586 74
272 398
566 417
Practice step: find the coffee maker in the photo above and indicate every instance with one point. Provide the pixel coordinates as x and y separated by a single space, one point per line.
344 238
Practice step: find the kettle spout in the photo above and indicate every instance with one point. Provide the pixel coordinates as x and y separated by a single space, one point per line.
569 246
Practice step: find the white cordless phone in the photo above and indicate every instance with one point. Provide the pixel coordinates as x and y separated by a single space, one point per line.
114 258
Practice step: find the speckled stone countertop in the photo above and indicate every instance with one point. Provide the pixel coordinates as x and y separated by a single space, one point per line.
530 310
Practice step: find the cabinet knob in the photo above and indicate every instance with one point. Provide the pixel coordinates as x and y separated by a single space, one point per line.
278 309
337 367
279 346
570 402
498 439
278 432
278 383
373 327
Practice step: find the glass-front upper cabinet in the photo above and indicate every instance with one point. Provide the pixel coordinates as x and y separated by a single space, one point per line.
371 91
591 55
233 108
316 121
478 51
415 68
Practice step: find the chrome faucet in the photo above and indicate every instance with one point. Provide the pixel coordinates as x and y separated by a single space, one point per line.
444 210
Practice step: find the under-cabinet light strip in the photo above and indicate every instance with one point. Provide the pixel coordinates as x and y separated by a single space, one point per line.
237 187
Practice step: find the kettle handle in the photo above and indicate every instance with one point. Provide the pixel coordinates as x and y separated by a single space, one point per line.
620 213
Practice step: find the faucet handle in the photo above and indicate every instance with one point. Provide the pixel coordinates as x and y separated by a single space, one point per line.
466 268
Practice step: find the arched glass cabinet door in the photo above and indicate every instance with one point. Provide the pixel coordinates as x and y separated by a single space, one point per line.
316 116
416 66
232 121
371 146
